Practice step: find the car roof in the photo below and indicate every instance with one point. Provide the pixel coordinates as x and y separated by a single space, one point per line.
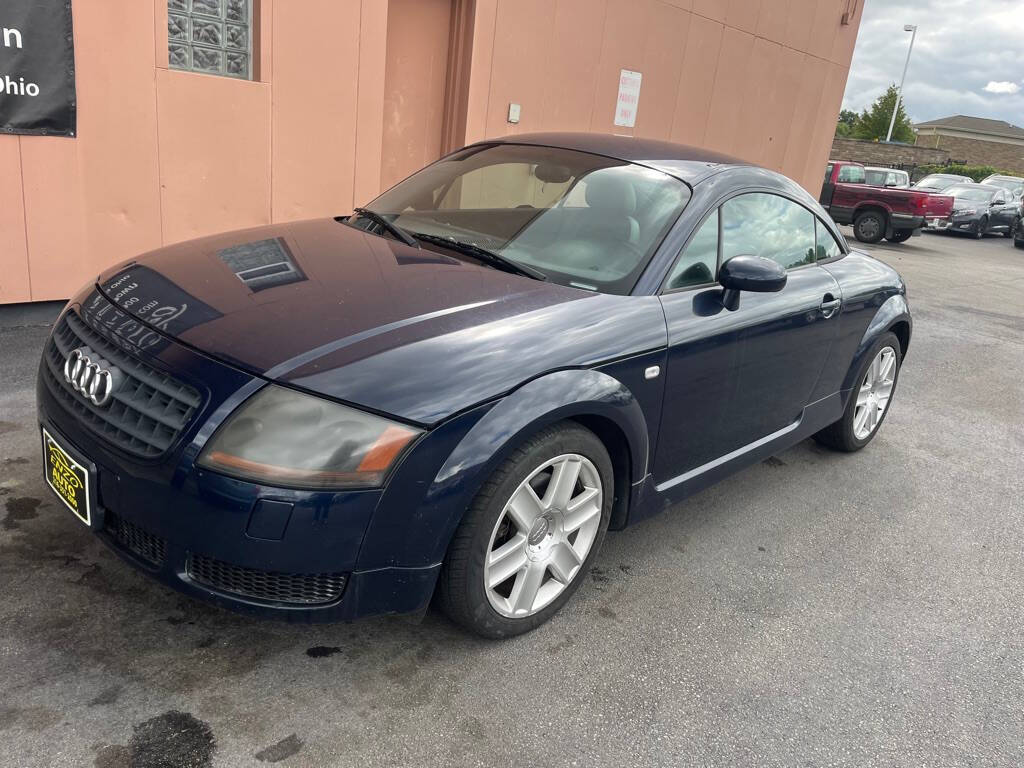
686 163
882 168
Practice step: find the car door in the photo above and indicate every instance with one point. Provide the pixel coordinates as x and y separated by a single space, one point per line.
1002 214
827 188
736 377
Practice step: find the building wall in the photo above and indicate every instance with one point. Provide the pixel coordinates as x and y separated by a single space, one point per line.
759 79
163 156
1004 155
878 153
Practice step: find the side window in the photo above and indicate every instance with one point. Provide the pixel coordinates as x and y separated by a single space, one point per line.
828 173
697 263
760 224
827 247
853 174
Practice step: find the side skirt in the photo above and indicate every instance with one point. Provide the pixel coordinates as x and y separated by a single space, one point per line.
650 498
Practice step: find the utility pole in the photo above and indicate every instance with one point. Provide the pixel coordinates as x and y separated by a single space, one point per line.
912 28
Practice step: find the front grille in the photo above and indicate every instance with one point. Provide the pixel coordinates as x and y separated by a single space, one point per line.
269 586
136 540
149 410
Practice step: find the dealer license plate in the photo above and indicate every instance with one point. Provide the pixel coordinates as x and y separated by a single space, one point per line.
68 478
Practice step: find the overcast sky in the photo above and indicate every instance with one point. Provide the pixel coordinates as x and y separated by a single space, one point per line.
968 58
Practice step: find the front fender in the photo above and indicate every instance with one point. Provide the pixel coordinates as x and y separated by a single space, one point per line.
428 528
893 310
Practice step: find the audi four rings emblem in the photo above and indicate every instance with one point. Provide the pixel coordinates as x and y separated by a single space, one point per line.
89 377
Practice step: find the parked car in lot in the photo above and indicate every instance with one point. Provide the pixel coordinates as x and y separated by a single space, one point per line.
1013 185
877 212
937 182
886 177
981 209
459 388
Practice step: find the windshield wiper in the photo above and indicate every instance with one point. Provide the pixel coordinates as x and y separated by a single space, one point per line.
394 229
477 252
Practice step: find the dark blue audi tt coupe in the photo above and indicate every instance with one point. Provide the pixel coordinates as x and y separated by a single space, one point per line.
455 391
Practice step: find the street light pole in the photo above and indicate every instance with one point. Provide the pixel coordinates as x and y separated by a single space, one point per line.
912 28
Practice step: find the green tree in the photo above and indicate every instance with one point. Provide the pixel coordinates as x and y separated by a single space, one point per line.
872 124
847 119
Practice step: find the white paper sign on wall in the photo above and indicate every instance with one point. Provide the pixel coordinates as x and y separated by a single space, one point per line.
629 98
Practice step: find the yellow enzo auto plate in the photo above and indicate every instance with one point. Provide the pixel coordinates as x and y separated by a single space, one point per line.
68 478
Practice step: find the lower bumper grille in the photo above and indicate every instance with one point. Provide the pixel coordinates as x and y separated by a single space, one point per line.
136 540
268 586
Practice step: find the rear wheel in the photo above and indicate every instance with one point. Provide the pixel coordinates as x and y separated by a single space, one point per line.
1011 231
900 235
869 227
869 402
980 228
530 535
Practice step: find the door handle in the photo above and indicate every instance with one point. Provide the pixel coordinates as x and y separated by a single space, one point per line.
830 305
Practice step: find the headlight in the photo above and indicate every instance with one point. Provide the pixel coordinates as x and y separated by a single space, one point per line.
283 437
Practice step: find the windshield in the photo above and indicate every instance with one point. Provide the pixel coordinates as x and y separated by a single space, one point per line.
583 220
938 180
975 192
1008 183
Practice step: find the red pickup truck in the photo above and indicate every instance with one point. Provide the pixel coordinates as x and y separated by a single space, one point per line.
877 212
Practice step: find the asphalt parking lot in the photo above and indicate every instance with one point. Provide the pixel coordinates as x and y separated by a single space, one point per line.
818 609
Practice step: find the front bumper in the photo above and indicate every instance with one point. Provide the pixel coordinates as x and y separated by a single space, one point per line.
953 224
248 547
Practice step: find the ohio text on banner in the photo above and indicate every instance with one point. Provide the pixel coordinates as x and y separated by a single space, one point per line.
37 68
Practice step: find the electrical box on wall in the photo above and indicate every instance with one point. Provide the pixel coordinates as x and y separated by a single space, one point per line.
513 113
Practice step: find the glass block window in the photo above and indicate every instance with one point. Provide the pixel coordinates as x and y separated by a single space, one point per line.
211 36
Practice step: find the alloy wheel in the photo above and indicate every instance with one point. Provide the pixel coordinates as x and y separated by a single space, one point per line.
874 393
543 535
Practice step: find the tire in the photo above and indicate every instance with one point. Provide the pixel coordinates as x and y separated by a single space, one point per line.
980 227
1011 231
843 435
869 227
492 524
900 235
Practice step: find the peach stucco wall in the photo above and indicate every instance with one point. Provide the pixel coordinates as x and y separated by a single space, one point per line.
758 79
162 156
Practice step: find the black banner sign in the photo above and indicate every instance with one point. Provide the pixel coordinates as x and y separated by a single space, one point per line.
37 68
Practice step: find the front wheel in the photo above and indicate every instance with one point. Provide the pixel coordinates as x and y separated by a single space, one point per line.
869 402
530 535
980 228
869 227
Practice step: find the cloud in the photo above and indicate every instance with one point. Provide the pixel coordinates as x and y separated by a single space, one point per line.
1001 86
962 47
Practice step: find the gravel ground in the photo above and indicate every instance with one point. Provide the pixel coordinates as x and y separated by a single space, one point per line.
817 609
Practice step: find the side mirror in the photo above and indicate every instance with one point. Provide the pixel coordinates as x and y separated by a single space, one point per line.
749 273
999 201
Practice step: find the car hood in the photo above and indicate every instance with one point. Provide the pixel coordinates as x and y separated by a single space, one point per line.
340 312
